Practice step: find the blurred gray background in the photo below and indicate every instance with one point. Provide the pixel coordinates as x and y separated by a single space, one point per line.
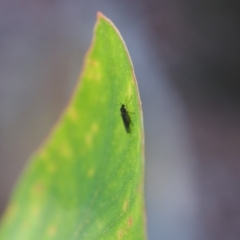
186 55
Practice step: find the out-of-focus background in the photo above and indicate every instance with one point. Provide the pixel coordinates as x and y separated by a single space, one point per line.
186 55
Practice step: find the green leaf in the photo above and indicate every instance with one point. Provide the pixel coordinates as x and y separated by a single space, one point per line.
86 180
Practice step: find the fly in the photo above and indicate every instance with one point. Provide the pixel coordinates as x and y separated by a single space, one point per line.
126 117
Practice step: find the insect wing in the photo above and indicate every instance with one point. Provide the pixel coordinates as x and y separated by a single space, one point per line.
126 119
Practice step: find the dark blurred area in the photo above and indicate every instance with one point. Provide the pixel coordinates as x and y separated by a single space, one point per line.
186 56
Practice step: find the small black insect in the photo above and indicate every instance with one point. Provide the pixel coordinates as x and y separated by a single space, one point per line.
126 117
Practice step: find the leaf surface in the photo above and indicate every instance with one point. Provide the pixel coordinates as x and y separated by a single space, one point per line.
86 180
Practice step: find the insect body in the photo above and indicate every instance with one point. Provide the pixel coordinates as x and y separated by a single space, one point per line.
126 118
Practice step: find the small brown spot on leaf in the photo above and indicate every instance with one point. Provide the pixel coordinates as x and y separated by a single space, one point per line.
140 188
130 222
92 62
52 230
120 234
11 210
38 188
93 72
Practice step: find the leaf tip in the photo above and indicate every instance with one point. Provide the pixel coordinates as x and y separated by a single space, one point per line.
100 15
